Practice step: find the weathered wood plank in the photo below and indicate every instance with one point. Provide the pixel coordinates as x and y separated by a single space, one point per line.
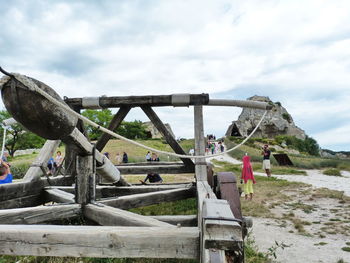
135 101
99 241
112 191
166 134
39 214
113 125
25 201
46 152
183 220
160 169
201 166
221 230
110 216
138 200
17 190
58 196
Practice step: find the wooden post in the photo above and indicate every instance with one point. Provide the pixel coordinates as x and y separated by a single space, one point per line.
114 124
85 175
201 167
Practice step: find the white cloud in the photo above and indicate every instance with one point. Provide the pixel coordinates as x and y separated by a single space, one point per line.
296 52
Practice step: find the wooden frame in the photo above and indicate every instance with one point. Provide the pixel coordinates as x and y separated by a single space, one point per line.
213 235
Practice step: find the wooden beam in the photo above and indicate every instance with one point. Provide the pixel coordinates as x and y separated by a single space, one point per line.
138 200
46 152
113 191
182 220
113 125
201 166
136 101
220 228
25 201
110 216
99 241
161 169
39 214
166 134
58 196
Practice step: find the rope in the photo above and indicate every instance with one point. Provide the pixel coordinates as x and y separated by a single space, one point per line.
31 85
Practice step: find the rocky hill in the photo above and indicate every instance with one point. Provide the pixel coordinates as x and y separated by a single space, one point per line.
277 122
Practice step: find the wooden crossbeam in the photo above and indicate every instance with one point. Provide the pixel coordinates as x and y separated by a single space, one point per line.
112 191
138 200
166 134
160 169
110 216
39 214
113 125
136 101
99 241
183 220
25 201
58 196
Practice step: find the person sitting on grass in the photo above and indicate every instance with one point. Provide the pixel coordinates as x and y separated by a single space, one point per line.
5 173
153 178
247 177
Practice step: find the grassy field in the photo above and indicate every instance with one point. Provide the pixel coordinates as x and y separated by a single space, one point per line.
268 193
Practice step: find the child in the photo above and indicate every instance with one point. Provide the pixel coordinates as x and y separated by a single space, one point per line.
247 177
5 173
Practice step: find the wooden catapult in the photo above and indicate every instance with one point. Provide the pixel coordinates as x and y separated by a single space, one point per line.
32 211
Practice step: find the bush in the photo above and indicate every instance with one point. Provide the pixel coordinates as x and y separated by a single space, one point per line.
309 145
287 117
19 170
332 172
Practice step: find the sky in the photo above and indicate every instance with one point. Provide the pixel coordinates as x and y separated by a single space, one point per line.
295 52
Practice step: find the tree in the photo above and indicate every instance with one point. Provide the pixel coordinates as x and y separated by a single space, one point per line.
101 117
17 137
132 130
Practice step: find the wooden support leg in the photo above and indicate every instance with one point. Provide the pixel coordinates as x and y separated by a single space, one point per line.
201 166
85 177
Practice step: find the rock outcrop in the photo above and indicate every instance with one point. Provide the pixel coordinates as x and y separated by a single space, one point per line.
153 132
277 122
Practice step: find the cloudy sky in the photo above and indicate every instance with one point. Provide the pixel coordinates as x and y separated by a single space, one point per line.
295 52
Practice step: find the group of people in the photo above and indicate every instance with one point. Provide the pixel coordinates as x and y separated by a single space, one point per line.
247 176
152 157
121 159
214 147
54 163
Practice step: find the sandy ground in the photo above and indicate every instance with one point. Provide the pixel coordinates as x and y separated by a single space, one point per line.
326 223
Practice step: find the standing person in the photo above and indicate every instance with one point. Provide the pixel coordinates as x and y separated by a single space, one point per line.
118 159
247 177
5 173
125 157
148 156
266 160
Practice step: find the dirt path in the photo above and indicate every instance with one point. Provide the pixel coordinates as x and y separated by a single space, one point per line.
315 229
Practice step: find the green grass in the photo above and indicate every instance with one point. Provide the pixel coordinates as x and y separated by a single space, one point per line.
182 207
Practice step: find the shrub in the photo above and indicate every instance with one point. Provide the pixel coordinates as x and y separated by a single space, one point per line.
19 170
332 172
287 117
